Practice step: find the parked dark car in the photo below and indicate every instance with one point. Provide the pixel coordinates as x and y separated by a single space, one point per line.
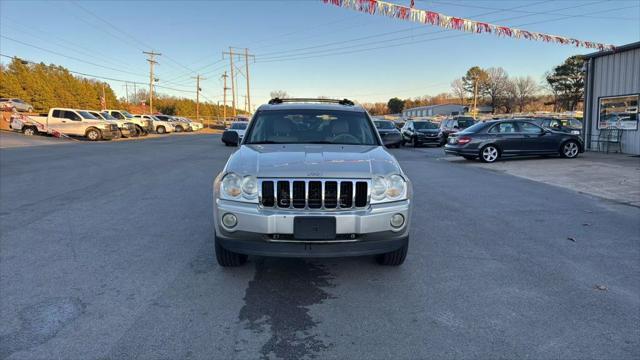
390 135
453 125
420 132
569 126
501 138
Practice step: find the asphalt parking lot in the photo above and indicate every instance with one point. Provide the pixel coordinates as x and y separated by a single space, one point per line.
106 252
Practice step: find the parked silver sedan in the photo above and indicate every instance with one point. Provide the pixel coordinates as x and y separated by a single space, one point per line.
11 104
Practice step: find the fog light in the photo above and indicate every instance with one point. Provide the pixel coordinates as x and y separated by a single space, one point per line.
229 220
397 220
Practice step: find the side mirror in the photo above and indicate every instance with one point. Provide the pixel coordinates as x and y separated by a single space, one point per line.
231 137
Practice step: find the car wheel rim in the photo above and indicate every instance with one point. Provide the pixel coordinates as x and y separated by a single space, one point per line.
490 154
28 132
571 149
92 135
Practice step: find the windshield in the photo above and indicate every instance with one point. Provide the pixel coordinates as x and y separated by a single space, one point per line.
86 115
316 126
107 116
465 123
126 114
238 126
424 125
387 125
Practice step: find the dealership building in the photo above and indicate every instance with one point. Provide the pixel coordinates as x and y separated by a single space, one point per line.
443 110
612 95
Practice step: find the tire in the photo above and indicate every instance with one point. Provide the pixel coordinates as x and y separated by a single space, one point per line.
161 130
30 130
414 142
489 154
178 128
228 258
467 157
569 149
140 131
93 134
393 258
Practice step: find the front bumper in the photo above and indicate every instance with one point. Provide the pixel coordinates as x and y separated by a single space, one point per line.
428 139
269 232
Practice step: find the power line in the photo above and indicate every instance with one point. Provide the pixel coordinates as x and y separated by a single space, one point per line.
323 53
129 36
30 31
531 12
97 76
386 33
67 56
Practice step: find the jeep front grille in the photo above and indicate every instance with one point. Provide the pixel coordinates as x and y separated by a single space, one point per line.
314 194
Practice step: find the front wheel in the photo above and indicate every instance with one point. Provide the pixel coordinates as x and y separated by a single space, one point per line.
393 258
30 131
489 154
228 258
414 142
93 134
178 128
161 130
570 149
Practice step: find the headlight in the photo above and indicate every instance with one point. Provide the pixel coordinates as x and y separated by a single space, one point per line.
389 188
396 187
378 188
231 185
250 187
239 188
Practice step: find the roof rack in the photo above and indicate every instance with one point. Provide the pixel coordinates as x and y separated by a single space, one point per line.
346 102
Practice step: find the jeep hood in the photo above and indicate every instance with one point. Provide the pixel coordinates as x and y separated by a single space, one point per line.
312 161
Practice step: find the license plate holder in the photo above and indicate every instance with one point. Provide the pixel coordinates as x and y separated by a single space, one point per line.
314 228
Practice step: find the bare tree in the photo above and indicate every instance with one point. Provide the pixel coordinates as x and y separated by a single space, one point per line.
458 90
496 86
281 94
525 89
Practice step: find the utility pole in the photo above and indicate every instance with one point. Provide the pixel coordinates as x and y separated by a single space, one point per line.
152 62
233 87
126 91
475 97
224 97
135 94
246 70
198 78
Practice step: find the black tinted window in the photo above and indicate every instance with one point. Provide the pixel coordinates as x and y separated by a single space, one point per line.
239 126
422 125
312 126
502 128
529 128
57 113
384 125
71 116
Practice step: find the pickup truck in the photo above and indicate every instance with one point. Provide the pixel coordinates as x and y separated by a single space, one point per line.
125 128
143 126
70 122
159 126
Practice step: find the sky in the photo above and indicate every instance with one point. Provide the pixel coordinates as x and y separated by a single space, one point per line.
306 48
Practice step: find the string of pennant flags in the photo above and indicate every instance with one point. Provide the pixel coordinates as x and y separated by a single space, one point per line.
410 13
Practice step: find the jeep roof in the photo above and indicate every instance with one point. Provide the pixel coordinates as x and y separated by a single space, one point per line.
304 103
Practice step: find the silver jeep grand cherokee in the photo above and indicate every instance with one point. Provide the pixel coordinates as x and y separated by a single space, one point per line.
311 178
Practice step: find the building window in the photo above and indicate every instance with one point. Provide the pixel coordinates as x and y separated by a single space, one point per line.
619 112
